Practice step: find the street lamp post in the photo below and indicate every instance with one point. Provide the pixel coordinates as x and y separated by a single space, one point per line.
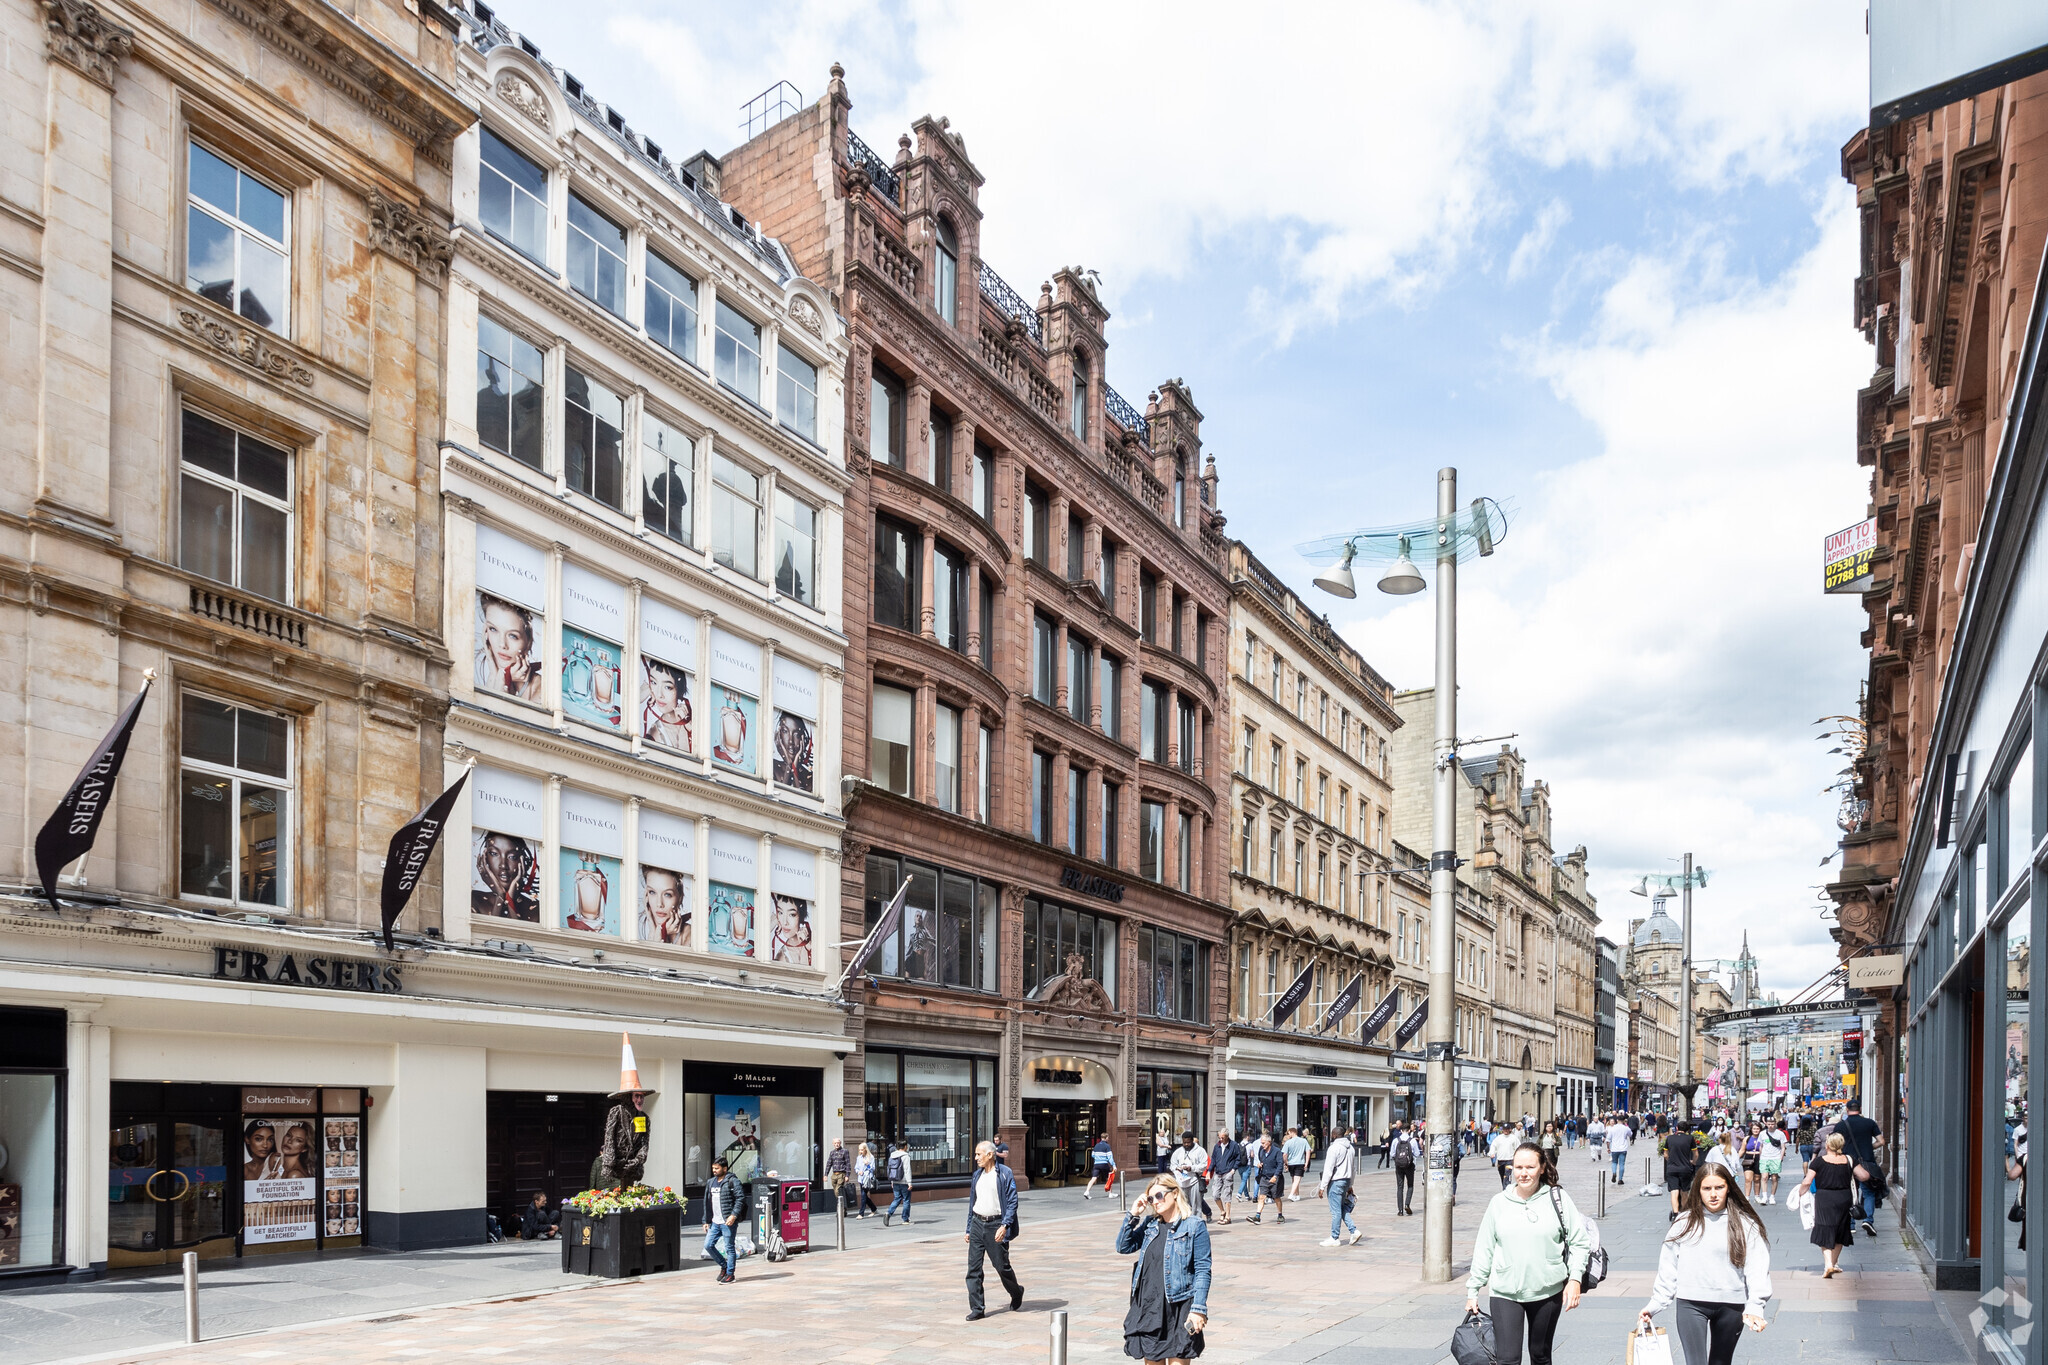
1403 579
1683 883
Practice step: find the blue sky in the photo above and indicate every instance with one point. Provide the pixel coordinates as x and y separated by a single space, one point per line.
1595 255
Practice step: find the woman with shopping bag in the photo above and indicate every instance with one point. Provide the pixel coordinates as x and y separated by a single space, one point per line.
1715 1265
1529 1257
1831 1179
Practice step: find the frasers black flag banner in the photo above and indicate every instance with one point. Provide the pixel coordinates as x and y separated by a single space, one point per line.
1377 1020
1343 1004
1287 1004
884 927
406 861
1411 1025
67 835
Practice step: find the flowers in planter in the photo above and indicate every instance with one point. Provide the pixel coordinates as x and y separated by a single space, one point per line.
625 1199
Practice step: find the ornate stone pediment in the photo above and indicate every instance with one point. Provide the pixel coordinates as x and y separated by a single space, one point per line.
520 93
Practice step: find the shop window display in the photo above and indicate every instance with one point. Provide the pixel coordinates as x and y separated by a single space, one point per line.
947 933
31 1097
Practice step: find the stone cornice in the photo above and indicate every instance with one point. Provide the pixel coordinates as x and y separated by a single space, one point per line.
1243 590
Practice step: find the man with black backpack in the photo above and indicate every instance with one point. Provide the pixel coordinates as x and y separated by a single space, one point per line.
1407 1154
900 1181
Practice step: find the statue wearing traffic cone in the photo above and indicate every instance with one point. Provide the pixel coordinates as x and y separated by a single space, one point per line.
622 1160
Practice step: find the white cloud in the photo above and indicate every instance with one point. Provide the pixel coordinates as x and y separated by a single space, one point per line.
1653 626
1536 242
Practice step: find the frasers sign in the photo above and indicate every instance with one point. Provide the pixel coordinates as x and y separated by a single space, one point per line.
1846 557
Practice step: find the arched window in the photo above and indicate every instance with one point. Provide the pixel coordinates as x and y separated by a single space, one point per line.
946 278
1077 419
1180 491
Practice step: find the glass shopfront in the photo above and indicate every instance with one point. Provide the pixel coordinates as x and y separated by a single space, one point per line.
32 1077
761 1119
1168 1103
1258 1111
939 1105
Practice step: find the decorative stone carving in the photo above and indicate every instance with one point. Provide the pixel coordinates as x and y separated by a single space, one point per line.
1074 989
243 344
77 34
804 314
519 92
413 237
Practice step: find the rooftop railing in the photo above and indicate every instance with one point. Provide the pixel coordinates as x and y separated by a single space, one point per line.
879 171
1011 303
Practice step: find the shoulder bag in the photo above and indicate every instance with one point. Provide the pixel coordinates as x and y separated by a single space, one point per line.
1596 1263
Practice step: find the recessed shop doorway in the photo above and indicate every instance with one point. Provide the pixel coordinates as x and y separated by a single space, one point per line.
1057 1137
169 1186
538 1141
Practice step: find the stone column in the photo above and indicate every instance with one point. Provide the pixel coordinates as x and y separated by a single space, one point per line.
927 613
917 432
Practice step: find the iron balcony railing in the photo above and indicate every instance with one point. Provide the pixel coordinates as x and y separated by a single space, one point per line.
1126 416
1011 303
879 171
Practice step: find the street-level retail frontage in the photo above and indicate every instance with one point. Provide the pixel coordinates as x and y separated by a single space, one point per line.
1576 1092
172 1081
1278 1079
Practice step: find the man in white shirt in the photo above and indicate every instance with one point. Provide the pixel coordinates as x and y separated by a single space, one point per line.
1618 1137
1596 1138
1771 1158
991 1227
1502 1153
1339 1165
1190 1166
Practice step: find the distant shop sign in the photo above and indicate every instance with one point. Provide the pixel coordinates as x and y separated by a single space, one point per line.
1846 557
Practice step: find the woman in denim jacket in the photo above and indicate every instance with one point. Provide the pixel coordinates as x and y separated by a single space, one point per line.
1170 1283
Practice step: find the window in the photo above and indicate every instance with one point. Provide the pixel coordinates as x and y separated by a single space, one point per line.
949 596
946 277
1273 858
1054 933
988 623
796 396
1077 411
735 515
737 362
1300 868
1077 678
234 508
1300 697
1152 840
1245 851
1344 808
1077 544
1323 712
1106 570
1148 606
1077 811
898 555
885 418
1301 783
1187 736
1401 936
1322 796
512 197
889 731
1202 641
1037 525
945 936
1112 805
1041 797
668 476
1273 768
1364 818
234 833
1042 659
597 257
1244 762
510 389
1279 678
984 756
671 308
1174 972
593 440
947 774
1322 879
1180 643
939 454
1251 656
1152 721
1180 493
1185 854
236 248
796 549
1112 692
984 481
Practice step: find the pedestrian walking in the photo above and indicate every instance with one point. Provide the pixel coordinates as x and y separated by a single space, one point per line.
991 1228
864 1179
1619 1136
1753 1163
1169 1308
1550 1141
1387 1144
1226 1158
1247 1169
1530 1253
1101 1166
1295 1149
1191 1169
1770 1159
1502 1153
1807 1141
1272 1177
1681 1163
1727 1154
723 1205
1831 1177
1715 1265
1861 1138
1596 1138
1339 1169
1407 1156
900 1182
839 1172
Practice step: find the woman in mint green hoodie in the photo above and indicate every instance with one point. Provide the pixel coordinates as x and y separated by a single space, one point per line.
1531 1250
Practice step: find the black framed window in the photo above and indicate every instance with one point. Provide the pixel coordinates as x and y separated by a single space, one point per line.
946 272
1037 524
984 481
1077 811
1173 975
1148 606
947 933
1112 803
939 1105
1077 677
988 623
1112 693
899 555
1151 840
949 596
939 451
1041 796
885 418
1055 932
1044 665
1077 544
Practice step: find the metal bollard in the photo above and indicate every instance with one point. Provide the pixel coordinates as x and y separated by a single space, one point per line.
1601 1212
191 1297
1058 1354
842 1225
1646 1170
1123 1196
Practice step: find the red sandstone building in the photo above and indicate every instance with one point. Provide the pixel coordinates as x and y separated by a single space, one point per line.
1037 611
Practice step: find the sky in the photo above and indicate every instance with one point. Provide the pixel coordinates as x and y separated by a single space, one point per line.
1597 256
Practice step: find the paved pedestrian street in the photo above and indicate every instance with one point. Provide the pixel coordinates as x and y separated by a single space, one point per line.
897 1295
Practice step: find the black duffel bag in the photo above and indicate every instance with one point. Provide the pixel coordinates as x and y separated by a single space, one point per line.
1472 1342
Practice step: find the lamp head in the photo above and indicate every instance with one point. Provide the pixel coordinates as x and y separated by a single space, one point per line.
1403 578
1337 580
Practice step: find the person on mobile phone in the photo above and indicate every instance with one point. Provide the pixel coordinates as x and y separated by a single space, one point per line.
1169 1309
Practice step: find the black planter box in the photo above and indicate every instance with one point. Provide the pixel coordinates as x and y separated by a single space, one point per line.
618 1245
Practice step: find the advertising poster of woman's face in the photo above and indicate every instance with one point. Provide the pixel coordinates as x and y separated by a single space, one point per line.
664 906
790 939
507 649
260 1159
295 1146
504 877
665 714
793 762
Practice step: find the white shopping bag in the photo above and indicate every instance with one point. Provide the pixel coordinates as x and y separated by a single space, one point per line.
1649 1347
1806 1210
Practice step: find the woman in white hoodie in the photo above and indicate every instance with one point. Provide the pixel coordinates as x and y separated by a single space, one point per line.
1716 1266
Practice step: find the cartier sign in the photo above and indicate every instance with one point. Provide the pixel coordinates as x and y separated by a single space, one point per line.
304 969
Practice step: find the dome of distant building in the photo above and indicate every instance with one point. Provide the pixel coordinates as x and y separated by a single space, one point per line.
1658 928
